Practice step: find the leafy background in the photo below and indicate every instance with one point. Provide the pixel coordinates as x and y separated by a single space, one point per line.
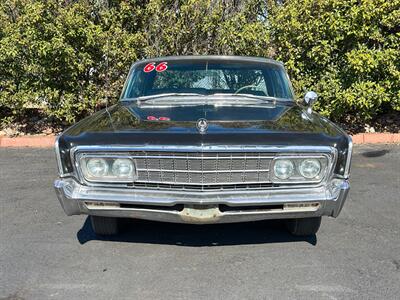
59 59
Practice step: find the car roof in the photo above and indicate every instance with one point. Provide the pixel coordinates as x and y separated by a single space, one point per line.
212 57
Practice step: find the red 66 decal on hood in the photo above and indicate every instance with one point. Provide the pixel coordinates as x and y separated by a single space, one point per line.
161 67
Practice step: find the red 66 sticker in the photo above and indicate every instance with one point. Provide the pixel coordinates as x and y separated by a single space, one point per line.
149 67
161 67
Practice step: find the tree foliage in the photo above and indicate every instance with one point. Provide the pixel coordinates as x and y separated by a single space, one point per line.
60 55
347 51
65 56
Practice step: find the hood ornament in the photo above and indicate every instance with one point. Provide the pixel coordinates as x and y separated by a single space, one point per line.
202 125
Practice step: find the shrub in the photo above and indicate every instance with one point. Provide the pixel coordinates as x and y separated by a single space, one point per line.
57 57
347 51
206 27
64 57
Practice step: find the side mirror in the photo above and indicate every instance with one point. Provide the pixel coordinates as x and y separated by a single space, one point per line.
309 99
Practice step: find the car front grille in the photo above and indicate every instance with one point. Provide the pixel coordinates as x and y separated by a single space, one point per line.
202 169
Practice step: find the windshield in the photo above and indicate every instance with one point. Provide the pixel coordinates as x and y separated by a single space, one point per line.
207 77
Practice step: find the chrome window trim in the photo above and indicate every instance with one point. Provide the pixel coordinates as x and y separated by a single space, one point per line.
234 58
301 150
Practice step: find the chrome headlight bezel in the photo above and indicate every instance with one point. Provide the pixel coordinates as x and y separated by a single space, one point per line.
81 165
324 160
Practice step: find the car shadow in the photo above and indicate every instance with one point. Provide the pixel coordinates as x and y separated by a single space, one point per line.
147 232
375 153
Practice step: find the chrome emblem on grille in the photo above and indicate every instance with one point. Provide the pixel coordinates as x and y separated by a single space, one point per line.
202 125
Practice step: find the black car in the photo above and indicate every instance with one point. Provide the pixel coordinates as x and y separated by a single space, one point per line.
205 139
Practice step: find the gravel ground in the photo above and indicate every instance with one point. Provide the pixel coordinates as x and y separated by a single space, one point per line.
47 255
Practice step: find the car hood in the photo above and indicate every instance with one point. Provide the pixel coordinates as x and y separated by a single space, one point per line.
268 118
127 124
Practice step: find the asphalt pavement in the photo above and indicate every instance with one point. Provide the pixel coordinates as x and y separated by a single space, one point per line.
46 255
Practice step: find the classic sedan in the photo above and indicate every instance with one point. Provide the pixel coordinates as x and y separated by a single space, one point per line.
201 140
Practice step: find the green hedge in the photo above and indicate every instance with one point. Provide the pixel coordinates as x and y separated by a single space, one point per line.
65 56
347 51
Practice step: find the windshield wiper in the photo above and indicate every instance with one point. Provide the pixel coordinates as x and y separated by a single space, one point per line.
208 100
212 99
251 96
157 96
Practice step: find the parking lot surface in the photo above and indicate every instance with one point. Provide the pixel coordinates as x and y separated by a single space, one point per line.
47 255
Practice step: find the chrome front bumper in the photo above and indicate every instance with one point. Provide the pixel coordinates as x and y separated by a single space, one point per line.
201 207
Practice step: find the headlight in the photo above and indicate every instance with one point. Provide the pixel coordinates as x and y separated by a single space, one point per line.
104 168
283 168
97 167
299 169
310 168
122 168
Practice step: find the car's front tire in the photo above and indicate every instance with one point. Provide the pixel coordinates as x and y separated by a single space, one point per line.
104 225
304 226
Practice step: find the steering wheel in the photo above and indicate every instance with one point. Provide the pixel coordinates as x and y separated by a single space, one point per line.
244 88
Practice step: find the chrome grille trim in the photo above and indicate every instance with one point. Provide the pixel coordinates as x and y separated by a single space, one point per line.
203 188
199 171
201 168
201 158
223 153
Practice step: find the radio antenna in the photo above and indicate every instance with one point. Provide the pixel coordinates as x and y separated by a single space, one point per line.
107 77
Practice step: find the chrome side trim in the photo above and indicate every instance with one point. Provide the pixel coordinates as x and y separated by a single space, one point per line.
346 173
58 157
349 156
344 191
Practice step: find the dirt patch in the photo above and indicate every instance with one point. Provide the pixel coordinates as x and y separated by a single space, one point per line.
31 126
389 122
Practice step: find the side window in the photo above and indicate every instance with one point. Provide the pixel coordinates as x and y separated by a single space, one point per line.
276 83
135 85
